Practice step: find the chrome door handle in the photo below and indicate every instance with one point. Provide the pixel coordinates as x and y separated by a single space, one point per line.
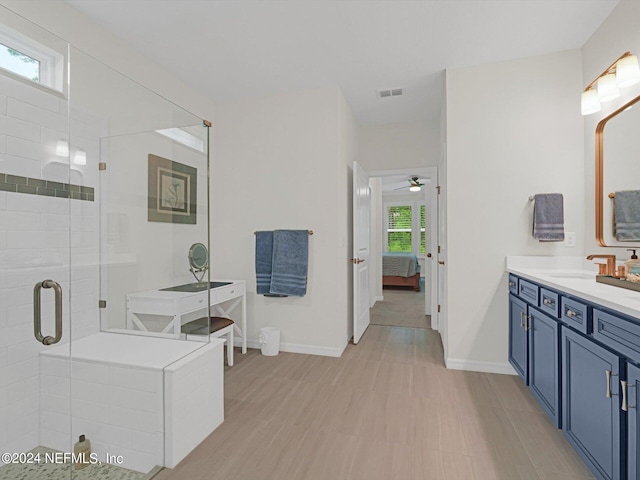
37 312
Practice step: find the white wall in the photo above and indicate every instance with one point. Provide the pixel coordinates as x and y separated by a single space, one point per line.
401 145
282 162
617 34
513 129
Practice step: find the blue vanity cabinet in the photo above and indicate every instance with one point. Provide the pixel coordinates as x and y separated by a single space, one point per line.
591 411
518 344
633 421
544 363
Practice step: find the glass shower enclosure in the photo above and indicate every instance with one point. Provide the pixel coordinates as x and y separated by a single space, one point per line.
104 191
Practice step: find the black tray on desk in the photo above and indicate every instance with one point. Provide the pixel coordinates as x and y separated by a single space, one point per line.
195 287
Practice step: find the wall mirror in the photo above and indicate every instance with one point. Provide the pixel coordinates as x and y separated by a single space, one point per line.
617 168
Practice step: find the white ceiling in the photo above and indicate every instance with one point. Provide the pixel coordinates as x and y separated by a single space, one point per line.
231 49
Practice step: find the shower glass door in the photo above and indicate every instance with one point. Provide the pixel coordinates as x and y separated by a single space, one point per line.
103 192
35 253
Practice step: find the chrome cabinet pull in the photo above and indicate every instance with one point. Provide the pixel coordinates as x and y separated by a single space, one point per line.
526 322
609 374
37 312
512 284
522 319
571 313
625 404
547 301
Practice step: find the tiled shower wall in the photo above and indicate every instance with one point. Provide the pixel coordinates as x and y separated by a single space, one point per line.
42 237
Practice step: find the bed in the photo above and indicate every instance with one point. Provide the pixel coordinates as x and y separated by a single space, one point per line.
400 270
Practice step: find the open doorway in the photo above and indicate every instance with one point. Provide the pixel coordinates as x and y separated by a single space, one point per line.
404 230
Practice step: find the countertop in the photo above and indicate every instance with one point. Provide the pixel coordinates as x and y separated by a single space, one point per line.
575 276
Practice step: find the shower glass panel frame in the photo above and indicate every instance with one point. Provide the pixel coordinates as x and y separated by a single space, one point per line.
74 201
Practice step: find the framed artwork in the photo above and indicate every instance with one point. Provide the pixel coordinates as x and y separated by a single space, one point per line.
172 191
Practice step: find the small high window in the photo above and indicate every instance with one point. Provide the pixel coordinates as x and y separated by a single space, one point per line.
31 60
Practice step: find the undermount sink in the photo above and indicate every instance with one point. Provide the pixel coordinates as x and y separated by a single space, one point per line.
587 276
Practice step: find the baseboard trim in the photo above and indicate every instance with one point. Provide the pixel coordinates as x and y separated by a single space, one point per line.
300 348
473 366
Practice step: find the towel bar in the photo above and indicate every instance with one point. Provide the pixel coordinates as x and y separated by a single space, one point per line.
310 232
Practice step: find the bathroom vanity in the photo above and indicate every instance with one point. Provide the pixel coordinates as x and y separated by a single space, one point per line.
576 344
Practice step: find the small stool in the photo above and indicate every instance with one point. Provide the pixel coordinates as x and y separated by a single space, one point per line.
218 327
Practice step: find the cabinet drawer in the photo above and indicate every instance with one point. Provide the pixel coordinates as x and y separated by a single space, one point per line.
194 302
549 302
574 314
513 284
618 333
528 291
228 292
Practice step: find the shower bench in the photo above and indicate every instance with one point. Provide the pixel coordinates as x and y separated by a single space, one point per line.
149 400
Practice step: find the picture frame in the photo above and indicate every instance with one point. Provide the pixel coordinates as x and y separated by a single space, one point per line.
172 191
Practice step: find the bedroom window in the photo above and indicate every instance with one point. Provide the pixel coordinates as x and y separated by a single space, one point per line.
405 227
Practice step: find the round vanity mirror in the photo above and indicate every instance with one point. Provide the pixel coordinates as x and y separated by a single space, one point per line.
198 257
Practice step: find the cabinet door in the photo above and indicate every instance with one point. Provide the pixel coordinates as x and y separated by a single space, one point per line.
633 422
544 353
518 347
591 407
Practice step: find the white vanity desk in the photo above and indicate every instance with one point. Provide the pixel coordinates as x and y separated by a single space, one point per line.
184 307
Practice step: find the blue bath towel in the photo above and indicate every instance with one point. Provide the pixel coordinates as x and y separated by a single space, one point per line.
548 217
264 254
627 215
290 262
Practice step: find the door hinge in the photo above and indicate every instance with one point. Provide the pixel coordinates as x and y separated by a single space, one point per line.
102 304
438 308
438 189
102 166
438 248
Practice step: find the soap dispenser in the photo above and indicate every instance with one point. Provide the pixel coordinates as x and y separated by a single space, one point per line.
632 267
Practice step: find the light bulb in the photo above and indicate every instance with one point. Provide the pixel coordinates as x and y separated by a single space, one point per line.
414 188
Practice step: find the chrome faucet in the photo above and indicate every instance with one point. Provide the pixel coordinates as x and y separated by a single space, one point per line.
610 268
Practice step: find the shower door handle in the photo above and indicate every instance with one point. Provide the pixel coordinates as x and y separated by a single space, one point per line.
37 312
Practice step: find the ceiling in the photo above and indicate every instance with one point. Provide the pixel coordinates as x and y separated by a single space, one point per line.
232 49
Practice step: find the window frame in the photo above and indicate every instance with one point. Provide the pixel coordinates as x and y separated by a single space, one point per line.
415 224
51 62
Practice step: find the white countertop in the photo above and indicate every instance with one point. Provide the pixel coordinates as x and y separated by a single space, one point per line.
575 276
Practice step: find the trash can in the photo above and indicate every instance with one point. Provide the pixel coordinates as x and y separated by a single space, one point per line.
269 339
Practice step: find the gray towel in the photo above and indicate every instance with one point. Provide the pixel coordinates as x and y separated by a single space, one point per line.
290 262
627 215
548 217
264 254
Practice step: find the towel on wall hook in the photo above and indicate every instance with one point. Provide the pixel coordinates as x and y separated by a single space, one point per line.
548 217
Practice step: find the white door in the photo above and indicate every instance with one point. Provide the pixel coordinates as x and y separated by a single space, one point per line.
431 263
360 260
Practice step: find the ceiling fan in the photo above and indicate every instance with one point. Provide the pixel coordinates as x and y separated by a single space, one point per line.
414 184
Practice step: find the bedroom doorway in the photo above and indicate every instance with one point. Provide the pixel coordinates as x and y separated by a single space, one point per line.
404 219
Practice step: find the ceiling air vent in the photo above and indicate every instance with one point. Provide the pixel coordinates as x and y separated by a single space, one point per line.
391 92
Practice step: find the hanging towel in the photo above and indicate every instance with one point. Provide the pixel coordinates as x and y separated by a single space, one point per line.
264 253
627 215
290 262
548 217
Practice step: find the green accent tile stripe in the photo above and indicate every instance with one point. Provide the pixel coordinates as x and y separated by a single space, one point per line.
36 186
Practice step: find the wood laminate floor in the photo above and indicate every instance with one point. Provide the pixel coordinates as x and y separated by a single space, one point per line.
387 409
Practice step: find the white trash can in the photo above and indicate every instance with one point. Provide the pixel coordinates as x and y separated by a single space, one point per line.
269 339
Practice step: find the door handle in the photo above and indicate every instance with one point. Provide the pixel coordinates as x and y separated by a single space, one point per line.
441 262
356 260
37 312
429 255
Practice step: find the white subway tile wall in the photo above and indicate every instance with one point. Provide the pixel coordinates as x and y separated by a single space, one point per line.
43 237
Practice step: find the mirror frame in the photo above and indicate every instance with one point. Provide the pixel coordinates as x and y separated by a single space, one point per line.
600 176
192 262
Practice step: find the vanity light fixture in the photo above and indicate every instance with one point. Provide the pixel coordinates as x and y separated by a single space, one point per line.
624 72
80 157
62 148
